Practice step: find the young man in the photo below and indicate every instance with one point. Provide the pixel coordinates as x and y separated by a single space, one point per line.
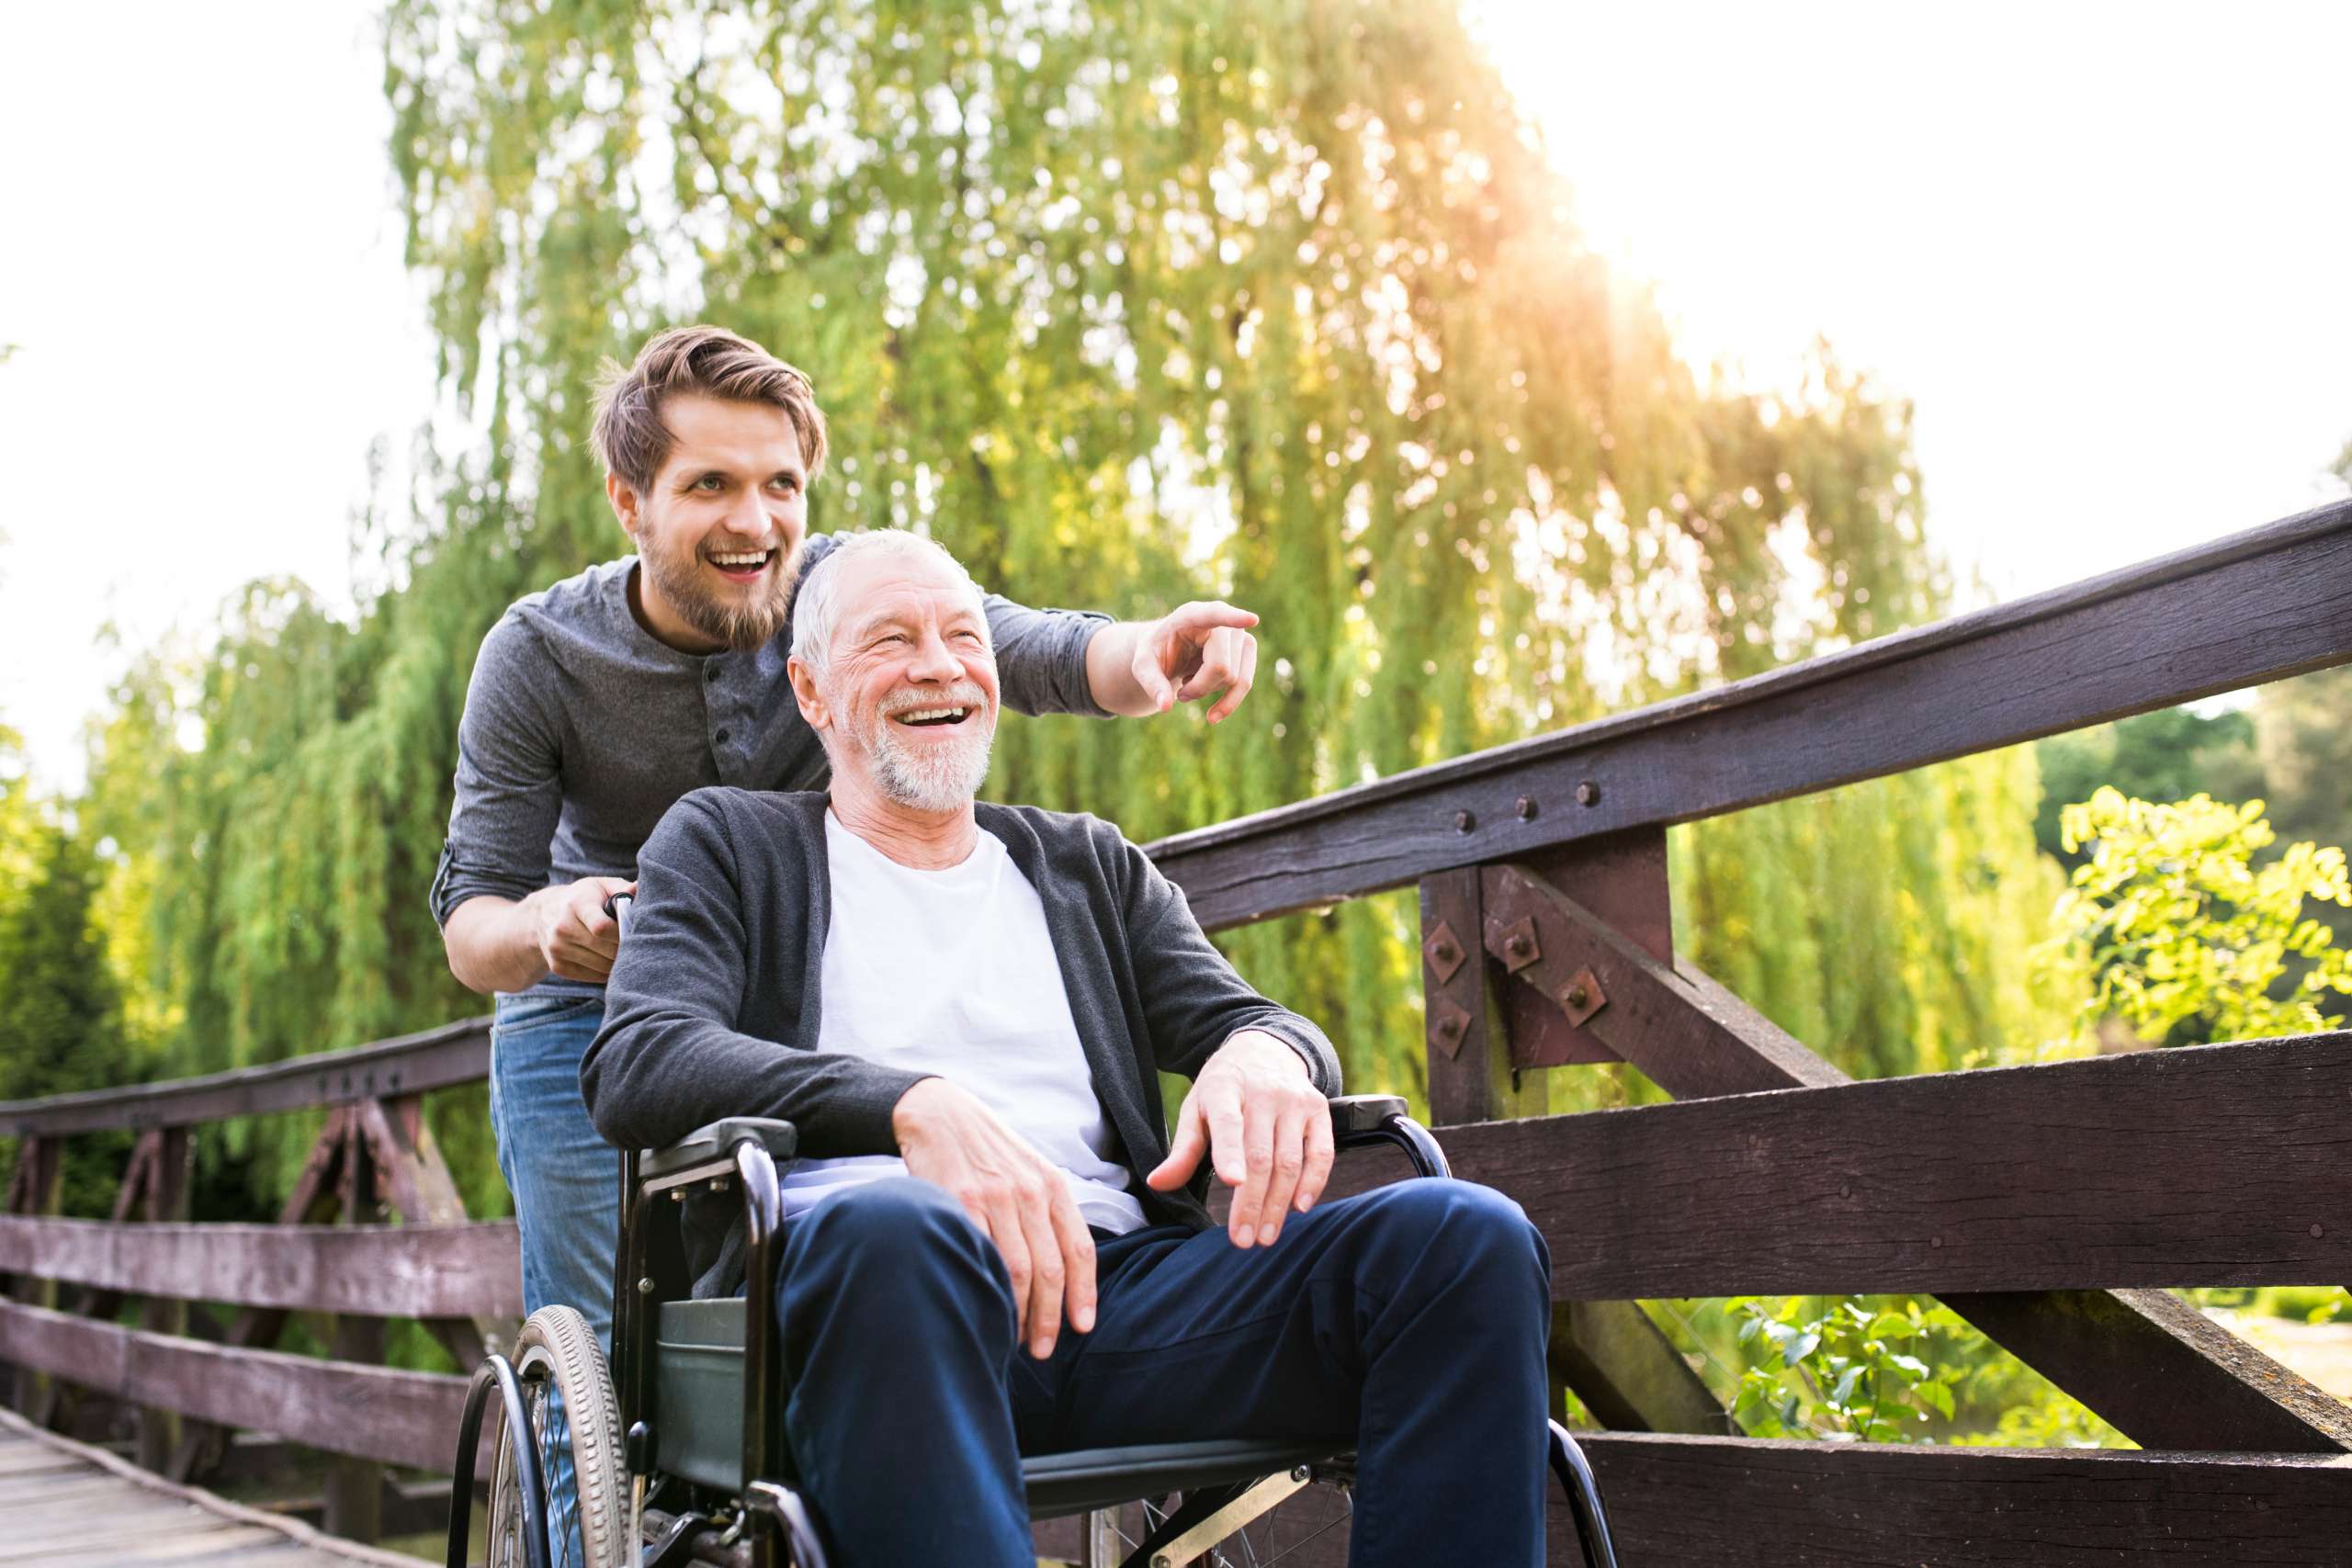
596 703
991 1246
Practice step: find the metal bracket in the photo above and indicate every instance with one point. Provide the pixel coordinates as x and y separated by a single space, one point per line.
1448 1024
1581 998
1445 952
1520 946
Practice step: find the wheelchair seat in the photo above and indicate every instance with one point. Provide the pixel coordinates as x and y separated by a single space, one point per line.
698 1354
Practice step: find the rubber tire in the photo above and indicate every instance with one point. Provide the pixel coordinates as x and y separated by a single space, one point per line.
557 1346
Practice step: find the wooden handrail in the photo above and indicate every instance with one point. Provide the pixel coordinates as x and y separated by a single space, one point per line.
2256 606
410 1063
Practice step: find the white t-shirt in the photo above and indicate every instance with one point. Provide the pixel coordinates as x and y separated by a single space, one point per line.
952 971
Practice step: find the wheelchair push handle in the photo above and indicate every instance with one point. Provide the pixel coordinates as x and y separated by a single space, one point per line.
618 905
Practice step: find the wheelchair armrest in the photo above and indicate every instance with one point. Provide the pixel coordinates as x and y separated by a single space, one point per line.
718 1143
1358 1120
1355 1116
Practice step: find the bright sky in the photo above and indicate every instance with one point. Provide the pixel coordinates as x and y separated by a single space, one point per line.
2102 247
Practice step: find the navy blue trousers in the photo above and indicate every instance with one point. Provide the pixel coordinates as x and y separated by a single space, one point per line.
1408 1322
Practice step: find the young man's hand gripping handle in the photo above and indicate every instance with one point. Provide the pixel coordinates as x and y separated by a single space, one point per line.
506 944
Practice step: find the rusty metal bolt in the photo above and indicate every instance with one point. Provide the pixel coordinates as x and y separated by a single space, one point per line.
1577 995
1525 807
1445 952
1517 946
1448 1027
1588 794
1463 821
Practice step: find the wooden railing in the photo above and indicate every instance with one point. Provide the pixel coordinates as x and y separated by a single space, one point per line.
2049 1206
374 1159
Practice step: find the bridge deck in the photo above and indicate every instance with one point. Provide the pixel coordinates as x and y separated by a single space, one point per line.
67 1503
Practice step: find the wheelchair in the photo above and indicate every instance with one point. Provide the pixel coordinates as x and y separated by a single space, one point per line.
678 1452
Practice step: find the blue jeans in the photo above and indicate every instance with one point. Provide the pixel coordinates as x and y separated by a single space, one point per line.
565 1178
1408 1322
566 1183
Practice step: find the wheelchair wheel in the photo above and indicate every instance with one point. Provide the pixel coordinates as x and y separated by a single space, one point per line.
556 1358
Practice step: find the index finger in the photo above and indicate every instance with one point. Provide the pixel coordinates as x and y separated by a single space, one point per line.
1208 614
1078 1255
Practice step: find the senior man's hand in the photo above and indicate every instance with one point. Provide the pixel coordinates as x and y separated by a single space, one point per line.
1014 1195
1266 1128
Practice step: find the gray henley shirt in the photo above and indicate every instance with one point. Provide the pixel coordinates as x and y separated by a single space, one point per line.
582 729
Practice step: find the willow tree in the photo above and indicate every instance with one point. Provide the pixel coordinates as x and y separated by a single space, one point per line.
1280 302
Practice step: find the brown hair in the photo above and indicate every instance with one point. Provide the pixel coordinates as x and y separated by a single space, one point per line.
628 432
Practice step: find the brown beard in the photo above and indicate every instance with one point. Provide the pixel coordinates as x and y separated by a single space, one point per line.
740 624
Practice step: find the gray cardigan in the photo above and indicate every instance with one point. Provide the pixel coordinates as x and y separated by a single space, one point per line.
713 1006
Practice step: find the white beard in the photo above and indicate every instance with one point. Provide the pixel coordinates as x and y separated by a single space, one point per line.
926 777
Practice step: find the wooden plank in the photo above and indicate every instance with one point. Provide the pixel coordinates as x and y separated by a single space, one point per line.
2273 602
1744 1503
211 1520
40 1181
2211 1164
395 1270
355 1486
2152 1347
1733 1503
412 1064
373 1413
166 1199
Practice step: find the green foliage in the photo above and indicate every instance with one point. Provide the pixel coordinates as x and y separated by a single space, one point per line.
2190 941
1845 1372
1125 305
1872 1367
59 1010
2304 740
2167 755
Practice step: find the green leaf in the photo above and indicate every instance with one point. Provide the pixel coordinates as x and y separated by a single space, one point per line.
1891 1326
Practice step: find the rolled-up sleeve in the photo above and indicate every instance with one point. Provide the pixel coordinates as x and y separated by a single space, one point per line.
1041 656
510 785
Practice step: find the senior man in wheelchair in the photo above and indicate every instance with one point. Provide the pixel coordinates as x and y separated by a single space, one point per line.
991 1246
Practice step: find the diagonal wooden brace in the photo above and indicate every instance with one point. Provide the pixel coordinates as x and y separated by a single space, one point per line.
412 1174
1688 1034
2155 1368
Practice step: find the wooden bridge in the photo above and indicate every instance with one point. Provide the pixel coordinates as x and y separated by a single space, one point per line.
2049 1206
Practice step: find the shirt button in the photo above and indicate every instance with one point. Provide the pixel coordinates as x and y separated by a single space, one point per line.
710 669
720 737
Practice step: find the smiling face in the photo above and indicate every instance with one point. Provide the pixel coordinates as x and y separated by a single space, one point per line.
718 529
906 700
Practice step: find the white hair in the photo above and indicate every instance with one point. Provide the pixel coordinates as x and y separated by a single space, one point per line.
814 612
